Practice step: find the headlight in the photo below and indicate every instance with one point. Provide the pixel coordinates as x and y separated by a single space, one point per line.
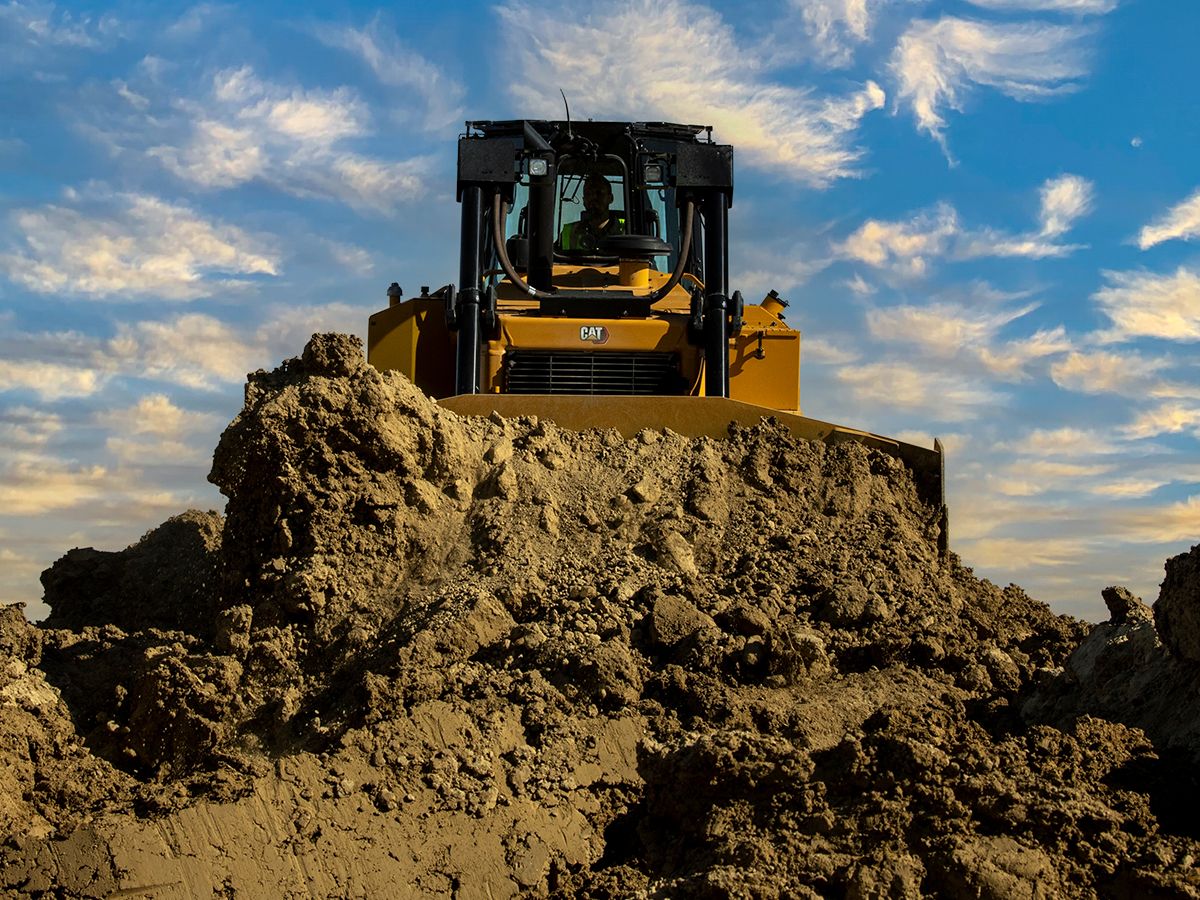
538 167
653 173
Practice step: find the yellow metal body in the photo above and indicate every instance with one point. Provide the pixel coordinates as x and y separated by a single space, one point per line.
764 359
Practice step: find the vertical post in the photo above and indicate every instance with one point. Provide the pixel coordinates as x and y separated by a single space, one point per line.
542 196
470 271
716 283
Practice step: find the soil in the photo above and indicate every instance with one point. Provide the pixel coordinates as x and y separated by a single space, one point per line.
423 655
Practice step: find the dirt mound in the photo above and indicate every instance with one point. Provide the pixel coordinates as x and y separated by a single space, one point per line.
436 656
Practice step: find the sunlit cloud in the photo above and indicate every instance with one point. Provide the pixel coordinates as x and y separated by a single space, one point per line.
937 395
1180 222
1167 418
130 246
702 72
908 246
938 64
1102 372
1064 200
1082 7
1146 304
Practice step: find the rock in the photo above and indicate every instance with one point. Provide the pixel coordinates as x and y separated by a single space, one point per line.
1177 610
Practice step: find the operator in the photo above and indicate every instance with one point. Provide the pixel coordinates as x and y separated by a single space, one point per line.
595 222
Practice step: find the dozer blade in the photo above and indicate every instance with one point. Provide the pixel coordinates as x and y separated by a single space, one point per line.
708 417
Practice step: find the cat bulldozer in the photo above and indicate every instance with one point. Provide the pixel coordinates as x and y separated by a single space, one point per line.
593 291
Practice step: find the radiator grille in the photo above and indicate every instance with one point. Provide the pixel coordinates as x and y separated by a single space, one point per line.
581 372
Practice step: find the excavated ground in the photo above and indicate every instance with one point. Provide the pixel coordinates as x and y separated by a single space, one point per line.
430 656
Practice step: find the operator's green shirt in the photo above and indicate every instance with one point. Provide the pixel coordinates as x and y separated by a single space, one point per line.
574 234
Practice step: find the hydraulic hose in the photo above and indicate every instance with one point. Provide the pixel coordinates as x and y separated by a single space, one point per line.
498 205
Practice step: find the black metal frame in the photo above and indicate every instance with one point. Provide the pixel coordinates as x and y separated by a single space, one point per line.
492 156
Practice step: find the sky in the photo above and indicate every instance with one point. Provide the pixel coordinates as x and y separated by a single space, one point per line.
984 214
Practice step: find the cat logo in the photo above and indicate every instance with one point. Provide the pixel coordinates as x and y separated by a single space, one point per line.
597 334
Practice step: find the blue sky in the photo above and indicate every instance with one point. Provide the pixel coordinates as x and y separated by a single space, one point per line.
983 212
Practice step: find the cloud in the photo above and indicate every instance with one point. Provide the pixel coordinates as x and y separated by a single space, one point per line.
1012 554
431 99
939 396
1066 442
1101 372
1180 222
23 427
1167 418
156 414
701 72
1081 7
131 246
1144 304
907 247
951 331
835 26
903 246
1169 523
36 485
937 64
40 26
50 381
245 129
1064 199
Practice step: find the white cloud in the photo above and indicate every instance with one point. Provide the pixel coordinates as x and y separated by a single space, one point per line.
1180 222
1167 418
193 350
50 381
138 246
907 246
41 26
835 26
430 97
156 414
35 485
1101 372
701 72
1010 554
1144 304
1066 442
1083 7
939 396
300 141
938 63
1064 199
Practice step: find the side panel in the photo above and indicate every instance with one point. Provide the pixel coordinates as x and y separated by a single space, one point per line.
764 365
413 338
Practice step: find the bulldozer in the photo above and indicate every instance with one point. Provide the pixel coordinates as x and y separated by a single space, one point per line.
593 291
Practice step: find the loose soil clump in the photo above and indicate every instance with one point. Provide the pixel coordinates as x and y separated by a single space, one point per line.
424 655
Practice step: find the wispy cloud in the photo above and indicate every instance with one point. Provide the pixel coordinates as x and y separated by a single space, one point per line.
701 72
1180 222
241 128
835 26
1146 304
432 99
950 331
1103 372
130 246
938 64
1166 418
42 25
1064 200
1079 7
938 395
907 247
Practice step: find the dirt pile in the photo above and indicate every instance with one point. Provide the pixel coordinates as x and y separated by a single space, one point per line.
436 656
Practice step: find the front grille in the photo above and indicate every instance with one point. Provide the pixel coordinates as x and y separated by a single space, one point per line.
598 372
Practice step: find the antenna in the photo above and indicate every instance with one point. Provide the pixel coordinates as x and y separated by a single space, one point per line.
568 106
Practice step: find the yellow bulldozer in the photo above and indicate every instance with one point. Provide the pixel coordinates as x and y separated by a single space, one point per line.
593 291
